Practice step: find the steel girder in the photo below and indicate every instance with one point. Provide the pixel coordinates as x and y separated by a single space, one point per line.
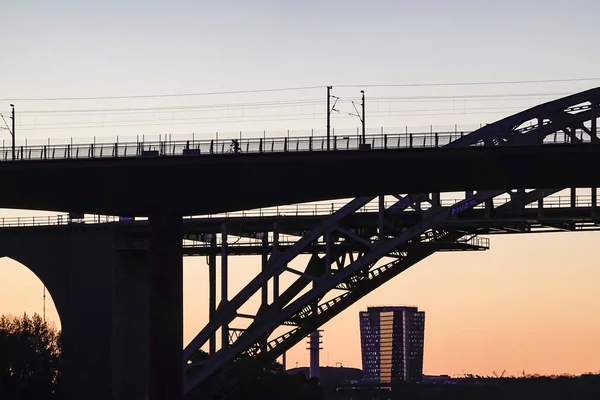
278 313
362 282
310 317
580 212
275 266
270 318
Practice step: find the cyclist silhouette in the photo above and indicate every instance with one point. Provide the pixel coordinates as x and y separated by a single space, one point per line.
235 146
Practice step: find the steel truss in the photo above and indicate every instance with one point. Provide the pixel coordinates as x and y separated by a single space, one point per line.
354 274
573 212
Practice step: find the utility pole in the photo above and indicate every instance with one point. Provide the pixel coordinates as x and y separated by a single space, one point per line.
361 116
13 131
362 119
330 108
328 115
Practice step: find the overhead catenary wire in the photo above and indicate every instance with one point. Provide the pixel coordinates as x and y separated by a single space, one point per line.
520 82
249 117
147 96
203 107
285 103
280 118
249 91
249 111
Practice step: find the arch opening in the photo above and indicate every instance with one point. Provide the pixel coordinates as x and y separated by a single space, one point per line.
22 291
31 328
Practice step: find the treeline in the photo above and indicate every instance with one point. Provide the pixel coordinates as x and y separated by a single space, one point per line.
29 351
29 367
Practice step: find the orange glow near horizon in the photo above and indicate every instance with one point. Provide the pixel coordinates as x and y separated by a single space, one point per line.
528 304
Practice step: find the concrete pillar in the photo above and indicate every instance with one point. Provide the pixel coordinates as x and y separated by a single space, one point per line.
166 308
131 325
86 354
84 261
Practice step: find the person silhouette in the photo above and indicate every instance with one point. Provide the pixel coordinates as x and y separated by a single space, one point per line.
235 145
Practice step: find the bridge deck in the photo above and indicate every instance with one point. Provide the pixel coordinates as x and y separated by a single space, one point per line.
274 214
558 214
213 184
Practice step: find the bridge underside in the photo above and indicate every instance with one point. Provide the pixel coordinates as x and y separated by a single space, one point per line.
92 186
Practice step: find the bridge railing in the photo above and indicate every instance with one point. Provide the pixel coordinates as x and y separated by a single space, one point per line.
49 220
223 146
297 210
308 210
287 240
391 140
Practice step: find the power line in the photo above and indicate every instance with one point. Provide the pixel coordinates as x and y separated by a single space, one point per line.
265 118
249 118
142 110
473 83
520 82
281 104
498 96
168 123
147 96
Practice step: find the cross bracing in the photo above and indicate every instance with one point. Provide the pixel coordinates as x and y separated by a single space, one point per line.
351 274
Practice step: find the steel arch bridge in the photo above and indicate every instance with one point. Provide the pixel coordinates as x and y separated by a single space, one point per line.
331 283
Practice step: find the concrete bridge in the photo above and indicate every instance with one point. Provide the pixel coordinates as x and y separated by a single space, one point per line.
119 290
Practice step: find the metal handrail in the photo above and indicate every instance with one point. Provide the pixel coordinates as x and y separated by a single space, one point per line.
288 240
160 148
297 210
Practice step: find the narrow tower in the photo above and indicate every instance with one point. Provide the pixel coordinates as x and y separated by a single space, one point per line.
314 346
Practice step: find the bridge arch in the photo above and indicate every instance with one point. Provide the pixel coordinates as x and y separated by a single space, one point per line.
77 264
574 117
24 289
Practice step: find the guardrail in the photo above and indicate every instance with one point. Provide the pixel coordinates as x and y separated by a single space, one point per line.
297 210
307 210
288 240
392 140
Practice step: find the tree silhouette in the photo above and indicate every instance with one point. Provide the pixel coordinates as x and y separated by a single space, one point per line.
29 349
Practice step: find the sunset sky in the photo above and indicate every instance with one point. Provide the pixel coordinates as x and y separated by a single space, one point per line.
529 304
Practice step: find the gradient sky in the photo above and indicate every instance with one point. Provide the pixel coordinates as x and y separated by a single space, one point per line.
530 303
